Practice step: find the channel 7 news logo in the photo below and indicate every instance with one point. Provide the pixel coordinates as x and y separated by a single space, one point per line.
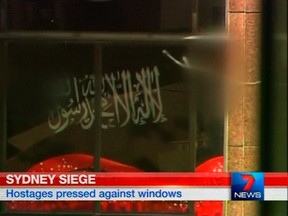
247 186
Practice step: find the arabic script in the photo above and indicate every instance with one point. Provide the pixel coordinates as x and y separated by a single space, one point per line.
125 98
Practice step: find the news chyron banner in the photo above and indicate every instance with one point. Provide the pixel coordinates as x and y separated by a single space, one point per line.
143 186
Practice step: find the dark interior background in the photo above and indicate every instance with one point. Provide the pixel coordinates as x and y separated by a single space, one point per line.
184 16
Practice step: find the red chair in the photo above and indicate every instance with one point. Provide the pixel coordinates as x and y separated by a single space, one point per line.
210 208
84 162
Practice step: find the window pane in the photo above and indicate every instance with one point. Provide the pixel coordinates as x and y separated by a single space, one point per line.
161 110
49 123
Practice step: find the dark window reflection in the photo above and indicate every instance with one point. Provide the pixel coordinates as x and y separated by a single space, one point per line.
156 115
172 16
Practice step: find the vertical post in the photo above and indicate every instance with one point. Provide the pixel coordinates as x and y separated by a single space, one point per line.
194 16
243 146
192 148
97 113
3 15
192 130
274 103
192 134
3 110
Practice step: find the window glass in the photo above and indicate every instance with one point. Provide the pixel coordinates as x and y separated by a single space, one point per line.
185 16
46 113
159 110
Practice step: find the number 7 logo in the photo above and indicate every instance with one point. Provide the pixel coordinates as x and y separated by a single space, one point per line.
250 181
